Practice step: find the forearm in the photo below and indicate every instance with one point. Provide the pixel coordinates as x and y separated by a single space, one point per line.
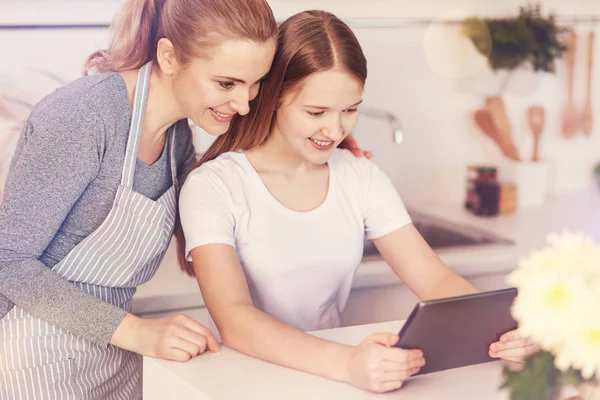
259 335
42 293
450 285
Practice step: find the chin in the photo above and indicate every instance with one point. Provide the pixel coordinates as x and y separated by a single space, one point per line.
212 128
320 159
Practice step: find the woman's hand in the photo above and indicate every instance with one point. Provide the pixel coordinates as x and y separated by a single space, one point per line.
350 143
176 338
513 346
378 367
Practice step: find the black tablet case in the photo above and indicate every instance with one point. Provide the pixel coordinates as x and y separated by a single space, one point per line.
457 331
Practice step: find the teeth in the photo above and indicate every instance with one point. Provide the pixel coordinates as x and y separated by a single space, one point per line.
220 114
321 142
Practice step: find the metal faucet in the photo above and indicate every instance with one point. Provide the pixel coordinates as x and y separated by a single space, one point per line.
398 134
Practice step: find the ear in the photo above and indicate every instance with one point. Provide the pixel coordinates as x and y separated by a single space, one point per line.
165 53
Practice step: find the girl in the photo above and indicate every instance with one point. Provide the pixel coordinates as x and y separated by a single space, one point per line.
274 219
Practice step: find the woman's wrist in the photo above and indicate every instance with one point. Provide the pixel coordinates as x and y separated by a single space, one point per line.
124 331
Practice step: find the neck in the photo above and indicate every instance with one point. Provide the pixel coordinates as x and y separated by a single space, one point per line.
162 109
276 156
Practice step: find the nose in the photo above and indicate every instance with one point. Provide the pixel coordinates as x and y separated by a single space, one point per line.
334 132
241 103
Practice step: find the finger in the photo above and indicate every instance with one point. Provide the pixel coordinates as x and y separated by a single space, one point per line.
399 375
193 337
357 152
519 353
513 344
511 335
350 141
403 356
383 338
368 154
178 355
178 343
395 366
196 326
391 385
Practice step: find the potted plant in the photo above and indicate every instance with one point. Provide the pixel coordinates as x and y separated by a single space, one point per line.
527 40
558 306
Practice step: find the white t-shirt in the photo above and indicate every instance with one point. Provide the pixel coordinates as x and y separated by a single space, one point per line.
299 265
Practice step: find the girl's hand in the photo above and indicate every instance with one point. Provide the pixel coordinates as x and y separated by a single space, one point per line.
377 366
513 346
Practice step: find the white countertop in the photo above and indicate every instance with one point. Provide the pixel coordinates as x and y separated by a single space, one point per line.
231 375
170 289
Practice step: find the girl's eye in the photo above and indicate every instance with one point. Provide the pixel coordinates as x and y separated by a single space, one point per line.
352 110
316 114
226 85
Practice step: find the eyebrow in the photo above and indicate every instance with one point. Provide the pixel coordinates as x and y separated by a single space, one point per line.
327 108
238 80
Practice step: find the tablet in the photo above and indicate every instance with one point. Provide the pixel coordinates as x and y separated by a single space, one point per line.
457 331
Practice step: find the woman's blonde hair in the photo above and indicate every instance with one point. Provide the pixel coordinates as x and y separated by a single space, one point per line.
191 25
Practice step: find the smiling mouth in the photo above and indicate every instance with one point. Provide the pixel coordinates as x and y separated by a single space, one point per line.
221 117
322 144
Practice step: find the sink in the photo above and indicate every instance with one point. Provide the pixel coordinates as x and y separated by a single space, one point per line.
442 235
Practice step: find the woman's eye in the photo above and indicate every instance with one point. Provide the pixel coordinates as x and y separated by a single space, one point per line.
315 113
352 110
226 85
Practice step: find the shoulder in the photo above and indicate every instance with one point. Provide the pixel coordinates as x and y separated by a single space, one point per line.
224 173
350 167
82 108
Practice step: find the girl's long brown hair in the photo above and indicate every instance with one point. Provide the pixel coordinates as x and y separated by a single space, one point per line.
309 42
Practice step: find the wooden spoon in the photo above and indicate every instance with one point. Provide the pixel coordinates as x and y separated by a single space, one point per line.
586 116
570 122
536 116
486 124
497 111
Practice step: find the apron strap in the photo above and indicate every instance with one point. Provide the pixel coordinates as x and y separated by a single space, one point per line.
172 156
135 129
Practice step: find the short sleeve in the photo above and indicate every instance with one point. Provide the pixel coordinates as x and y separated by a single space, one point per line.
384 210
205 211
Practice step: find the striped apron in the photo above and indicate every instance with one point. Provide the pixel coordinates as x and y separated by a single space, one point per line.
41 361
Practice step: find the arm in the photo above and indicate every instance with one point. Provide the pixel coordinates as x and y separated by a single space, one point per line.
251 331
424 273
372 365
419 267
48 174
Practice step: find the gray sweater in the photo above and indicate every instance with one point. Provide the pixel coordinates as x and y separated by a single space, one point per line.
61 186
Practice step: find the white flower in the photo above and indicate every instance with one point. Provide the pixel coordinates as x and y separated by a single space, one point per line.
558 303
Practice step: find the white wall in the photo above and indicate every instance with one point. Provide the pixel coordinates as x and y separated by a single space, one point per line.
429 76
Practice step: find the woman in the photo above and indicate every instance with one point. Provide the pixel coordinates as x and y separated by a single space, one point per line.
90 200
274 222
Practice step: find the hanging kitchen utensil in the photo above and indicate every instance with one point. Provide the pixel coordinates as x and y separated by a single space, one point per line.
497 111
486 124
570 122
586 116
536 117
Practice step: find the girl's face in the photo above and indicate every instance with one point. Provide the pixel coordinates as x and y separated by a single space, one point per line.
317 115
211 90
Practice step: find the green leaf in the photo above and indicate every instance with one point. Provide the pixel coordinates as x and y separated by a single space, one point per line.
508 43
538 380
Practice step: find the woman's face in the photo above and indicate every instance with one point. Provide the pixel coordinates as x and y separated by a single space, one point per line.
211 90
314 118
